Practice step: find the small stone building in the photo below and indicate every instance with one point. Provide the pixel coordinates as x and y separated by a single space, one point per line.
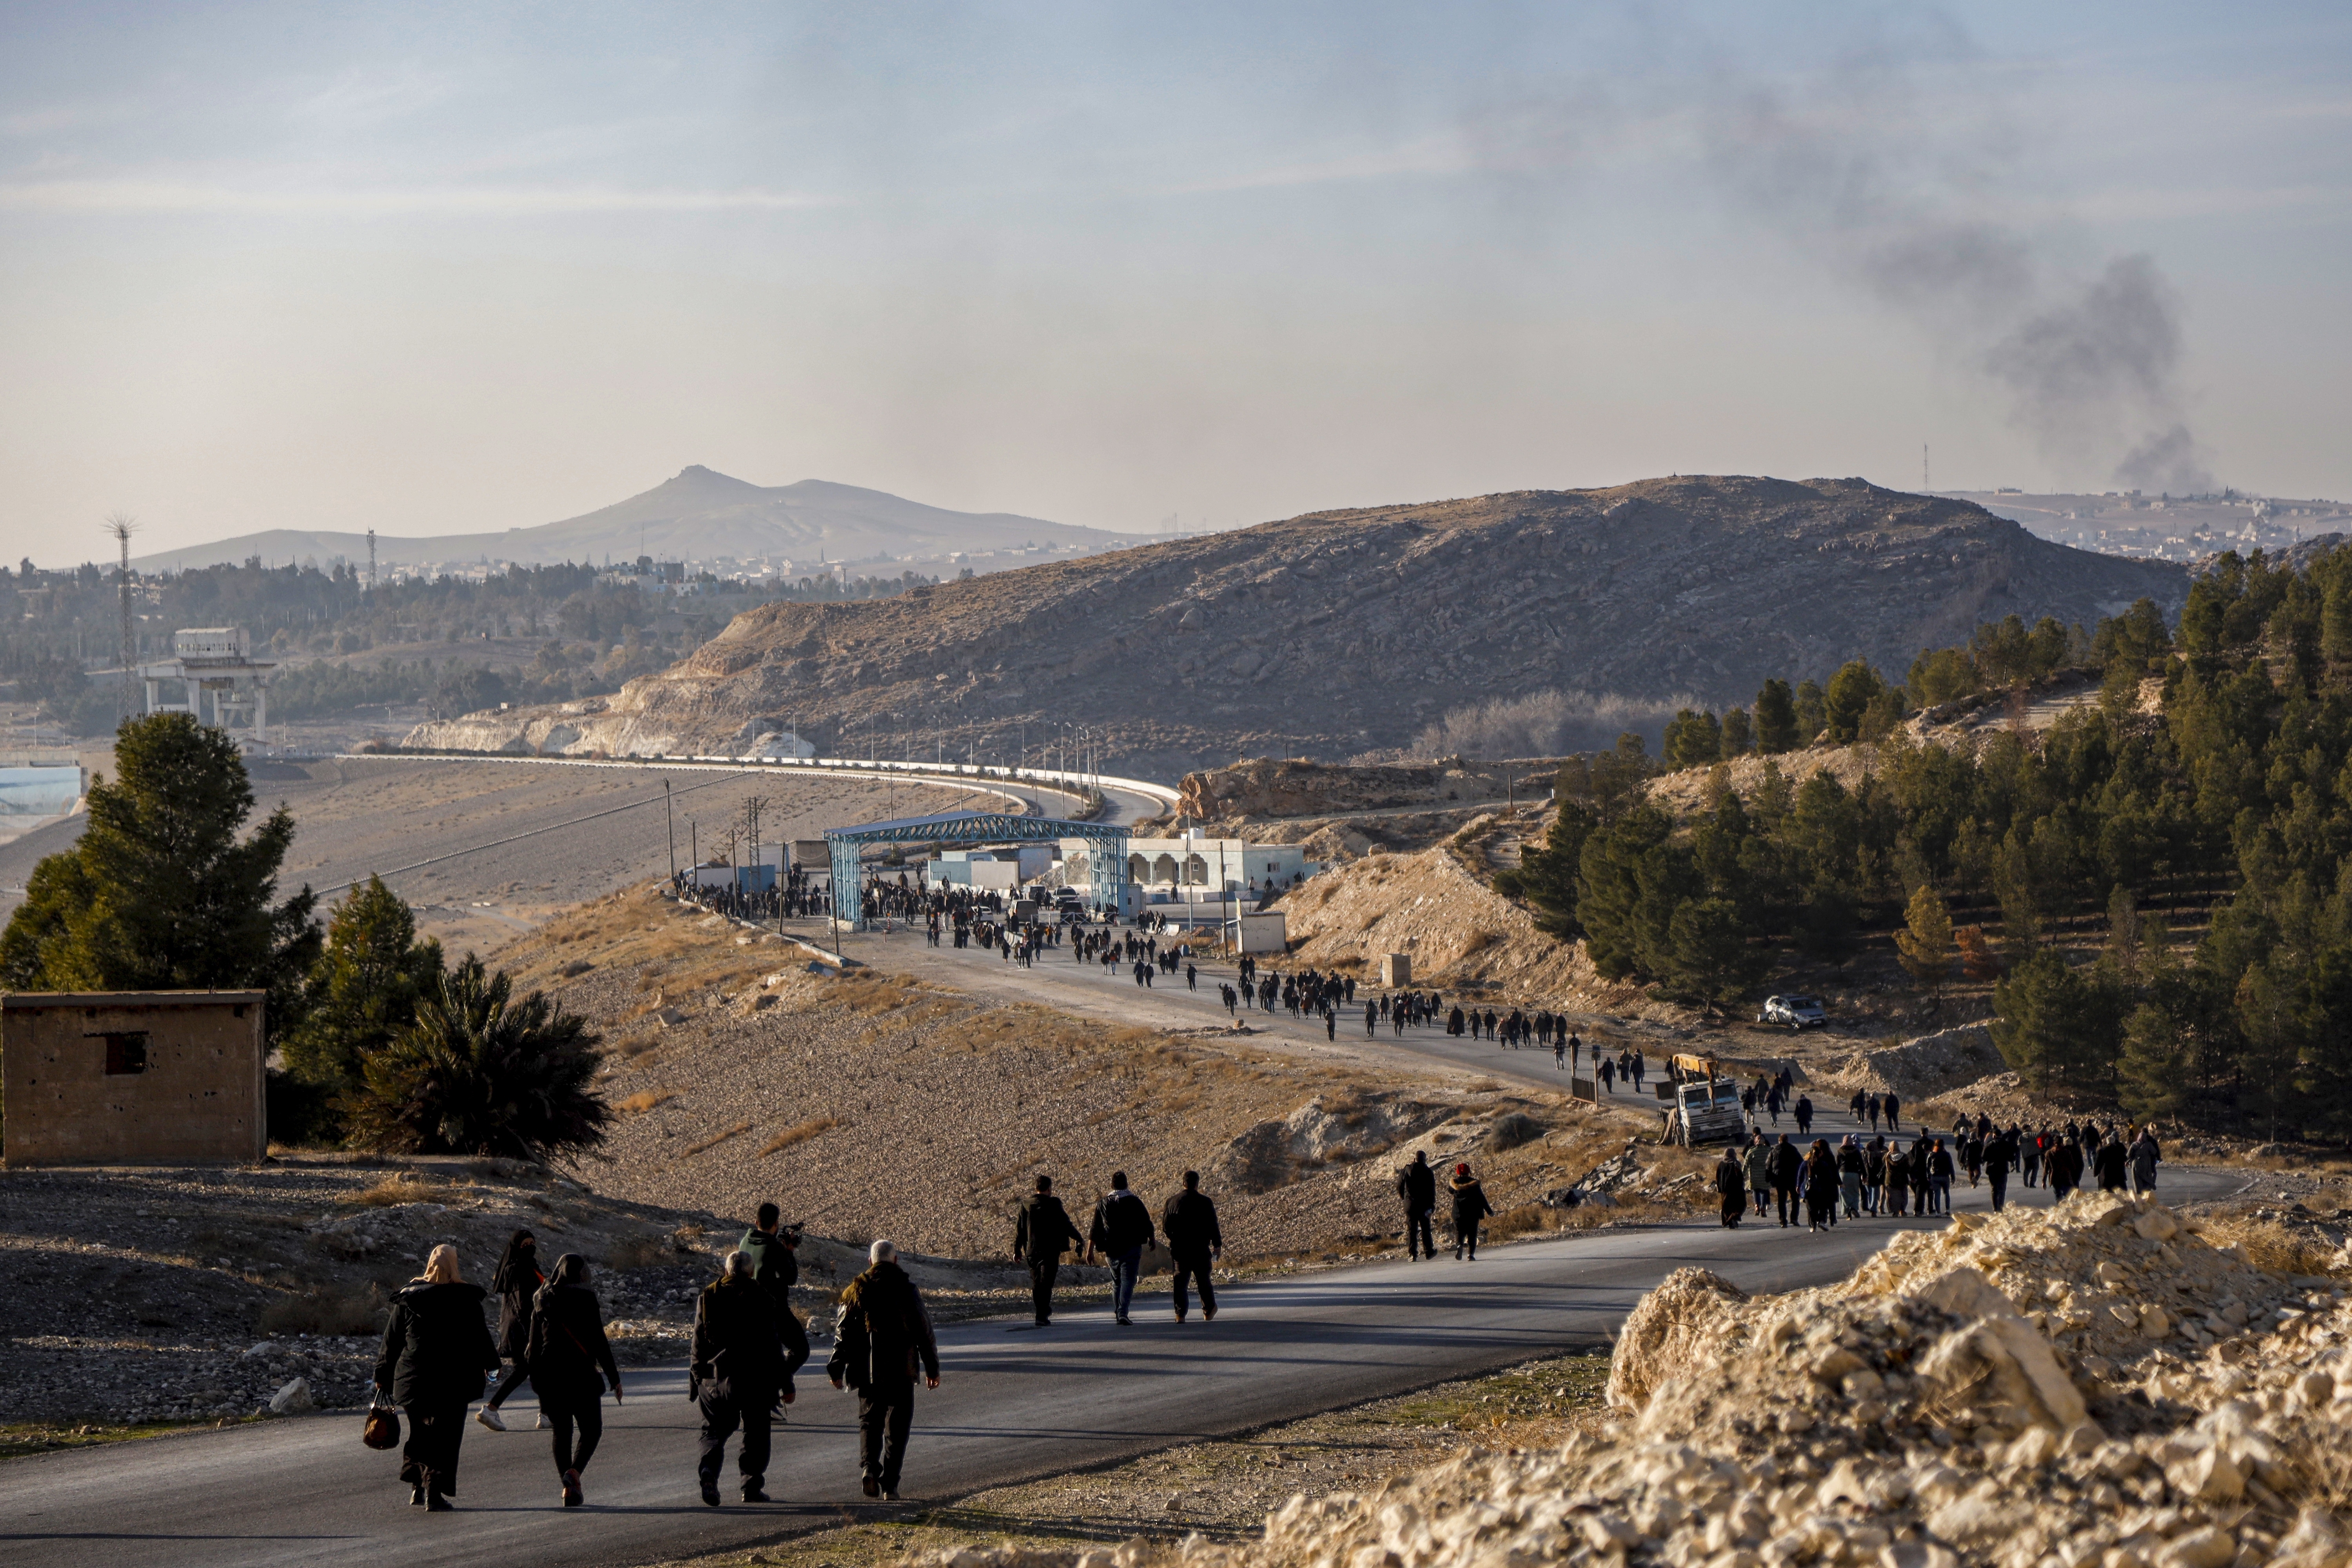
123 1078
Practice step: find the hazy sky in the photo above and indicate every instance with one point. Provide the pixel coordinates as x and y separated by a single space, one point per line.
439 268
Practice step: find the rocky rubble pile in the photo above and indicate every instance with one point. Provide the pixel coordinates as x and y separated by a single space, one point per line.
1922 1066
2092 1386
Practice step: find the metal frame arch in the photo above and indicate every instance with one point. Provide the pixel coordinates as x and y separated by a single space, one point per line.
1107 865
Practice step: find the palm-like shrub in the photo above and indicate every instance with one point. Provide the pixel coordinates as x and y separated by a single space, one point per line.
482 1073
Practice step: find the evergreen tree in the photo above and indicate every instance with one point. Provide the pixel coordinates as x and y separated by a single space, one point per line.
1811 717
160 893
1776 719
1924 943
2057 1026
363 990
1713 961
1851 692
1546 877
1739 735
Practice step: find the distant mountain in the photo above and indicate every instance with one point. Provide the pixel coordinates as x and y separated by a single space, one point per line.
1343 632
697 516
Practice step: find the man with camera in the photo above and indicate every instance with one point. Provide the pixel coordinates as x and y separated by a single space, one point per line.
775 1268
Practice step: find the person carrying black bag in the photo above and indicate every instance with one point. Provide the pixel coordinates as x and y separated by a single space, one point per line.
436 1355
737 1370
571 1366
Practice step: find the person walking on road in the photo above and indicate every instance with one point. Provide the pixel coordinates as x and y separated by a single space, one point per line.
516 1282
2145 1157
1121 1231
571 1366
1731 1184
436 1356
736 1374
1756 1165
1821 1179
1416 1184
2066 1165
1894 1106
1470 1208
1999 1154
1190 1225
1849 1159
1042 1232
776 1269
1788 1180
882 1339
2110 1165
1804 1116
1939 1178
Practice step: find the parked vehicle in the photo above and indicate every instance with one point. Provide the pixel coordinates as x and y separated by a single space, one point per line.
1793 1012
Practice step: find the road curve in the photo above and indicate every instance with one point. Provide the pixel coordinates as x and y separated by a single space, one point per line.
1016 1403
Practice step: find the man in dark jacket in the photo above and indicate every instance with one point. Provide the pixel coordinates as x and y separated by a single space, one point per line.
1731 1183
434 1359
737 1372
1042 1232
1417 1185
2108 1163
2065 1164
880 1337
1190 1224
1121 1230
776 1269
1999 1154
1787 1181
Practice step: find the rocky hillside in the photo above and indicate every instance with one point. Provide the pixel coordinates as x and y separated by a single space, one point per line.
1339 632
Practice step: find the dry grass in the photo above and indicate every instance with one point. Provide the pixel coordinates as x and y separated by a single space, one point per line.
401 1187
799 1133
2281 1248
645 1099
1527 1219
716 1138
634 1044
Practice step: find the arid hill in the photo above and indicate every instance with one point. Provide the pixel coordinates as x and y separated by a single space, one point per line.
1337 633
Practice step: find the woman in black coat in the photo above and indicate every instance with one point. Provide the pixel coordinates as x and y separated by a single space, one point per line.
437 1354
1820 1186
571 1366
517 1282
1470 1206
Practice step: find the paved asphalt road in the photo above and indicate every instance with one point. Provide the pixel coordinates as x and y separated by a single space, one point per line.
1016 1402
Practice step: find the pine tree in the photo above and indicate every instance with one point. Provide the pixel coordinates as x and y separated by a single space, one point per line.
1924 944
363 992
1776 719
162 893
1713 961
1851 692
1739 735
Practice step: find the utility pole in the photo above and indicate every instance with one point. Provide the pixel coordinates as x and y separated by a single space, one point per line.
371 560
1923 467
669 818
123 525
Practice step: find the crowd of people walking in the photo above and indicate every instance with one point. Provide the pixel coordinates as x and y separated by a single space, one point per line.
438 1354
1878 1175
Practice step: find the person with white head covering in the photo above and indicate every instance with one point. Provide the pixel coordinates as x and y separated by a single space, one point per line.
882 1339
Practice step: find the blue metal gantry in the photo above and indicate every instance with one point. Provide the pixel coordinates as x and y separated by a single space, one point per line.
1106 859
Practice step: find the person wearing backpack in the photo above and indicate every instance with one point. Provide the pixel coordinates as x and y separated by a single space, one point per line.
881 1338
571 1366
1121 1230
776 1269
